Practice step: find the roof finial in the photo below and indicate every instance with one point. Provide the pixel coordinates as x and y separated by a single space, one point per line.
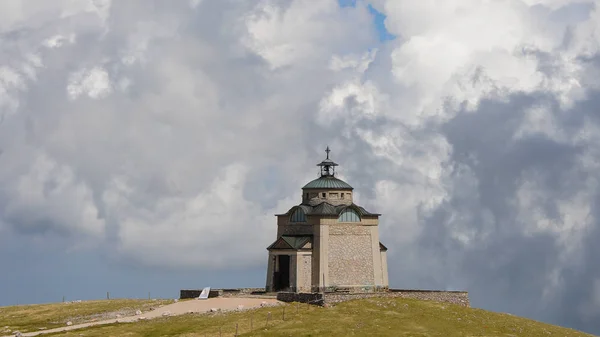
327 166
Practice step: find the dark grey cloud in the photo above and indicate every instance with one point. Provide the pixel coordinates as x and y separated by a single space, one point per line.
509 264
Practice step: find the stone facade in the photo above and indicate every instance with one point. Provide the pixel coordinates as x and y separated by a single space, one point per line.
350 259
347 230
317 196
305 270
287 229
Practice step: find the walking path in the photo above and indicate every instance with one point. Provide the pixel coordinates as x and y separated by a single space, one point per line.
179 308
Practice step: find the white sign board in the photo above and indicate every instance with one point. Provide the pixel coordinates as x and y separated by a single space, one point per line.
204 293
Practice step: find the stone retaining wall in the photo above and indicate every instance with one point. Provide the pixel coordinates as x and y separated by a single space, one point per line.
195 293
312 298
454 297
241 292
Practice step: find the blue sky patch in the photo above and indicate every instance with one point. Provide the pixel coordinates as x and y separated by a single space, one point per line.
378 19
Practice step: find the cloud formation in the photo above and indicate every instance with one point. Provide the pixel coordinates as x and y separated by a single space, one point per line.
147 128
160 132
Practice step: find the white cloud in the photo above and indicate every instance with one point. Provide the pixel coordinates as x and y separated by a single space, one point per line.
57 41
351 101
10 81
299 32
360 63
36 14
460 40
94 82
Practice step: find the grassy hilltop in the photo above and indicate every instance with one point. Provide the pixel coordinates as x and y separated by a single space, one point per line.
369 317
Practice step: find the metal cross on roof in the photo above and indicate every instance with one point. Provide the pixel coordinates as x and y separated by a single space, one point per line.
327 150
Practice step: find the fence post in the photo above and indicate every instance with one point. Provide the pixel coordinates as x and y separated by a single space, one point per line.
236 329
107 295
220 332
251 322
283 315
268 317
63 298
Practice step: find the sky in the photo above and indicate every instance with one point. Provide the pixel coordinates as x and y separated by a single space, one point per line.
138 138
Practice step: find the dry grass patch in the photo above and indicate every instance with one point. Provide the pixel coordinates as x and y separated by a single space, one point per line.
26 318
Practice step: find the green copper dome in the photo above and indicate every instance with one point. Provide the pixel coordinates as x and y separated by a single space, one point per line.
327 182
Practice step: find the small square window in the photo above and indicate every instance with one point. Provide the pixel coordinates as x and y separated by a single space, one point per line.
342 196
323 194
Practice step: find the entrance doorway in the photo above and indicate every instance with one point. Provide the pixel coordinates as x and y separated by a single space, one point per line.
282 275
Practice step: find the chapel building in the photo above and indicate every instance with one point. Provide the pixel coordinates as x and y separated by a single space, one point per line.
327 242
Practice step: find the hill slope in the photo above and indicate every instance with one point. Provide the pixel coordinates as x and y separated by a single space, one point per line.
26 318
370 317
404 317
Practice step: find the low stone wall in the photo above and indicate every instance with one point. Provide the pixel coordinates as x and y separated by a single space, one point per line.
195 293
241 292
357 289
454 297
312 298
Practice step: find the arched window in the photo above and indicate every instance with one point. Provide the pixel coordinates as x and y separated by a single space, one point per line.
298 216
349 215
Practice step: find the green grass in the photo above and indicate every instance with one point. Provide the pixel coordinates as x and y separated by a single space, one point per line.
27 318
370 317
